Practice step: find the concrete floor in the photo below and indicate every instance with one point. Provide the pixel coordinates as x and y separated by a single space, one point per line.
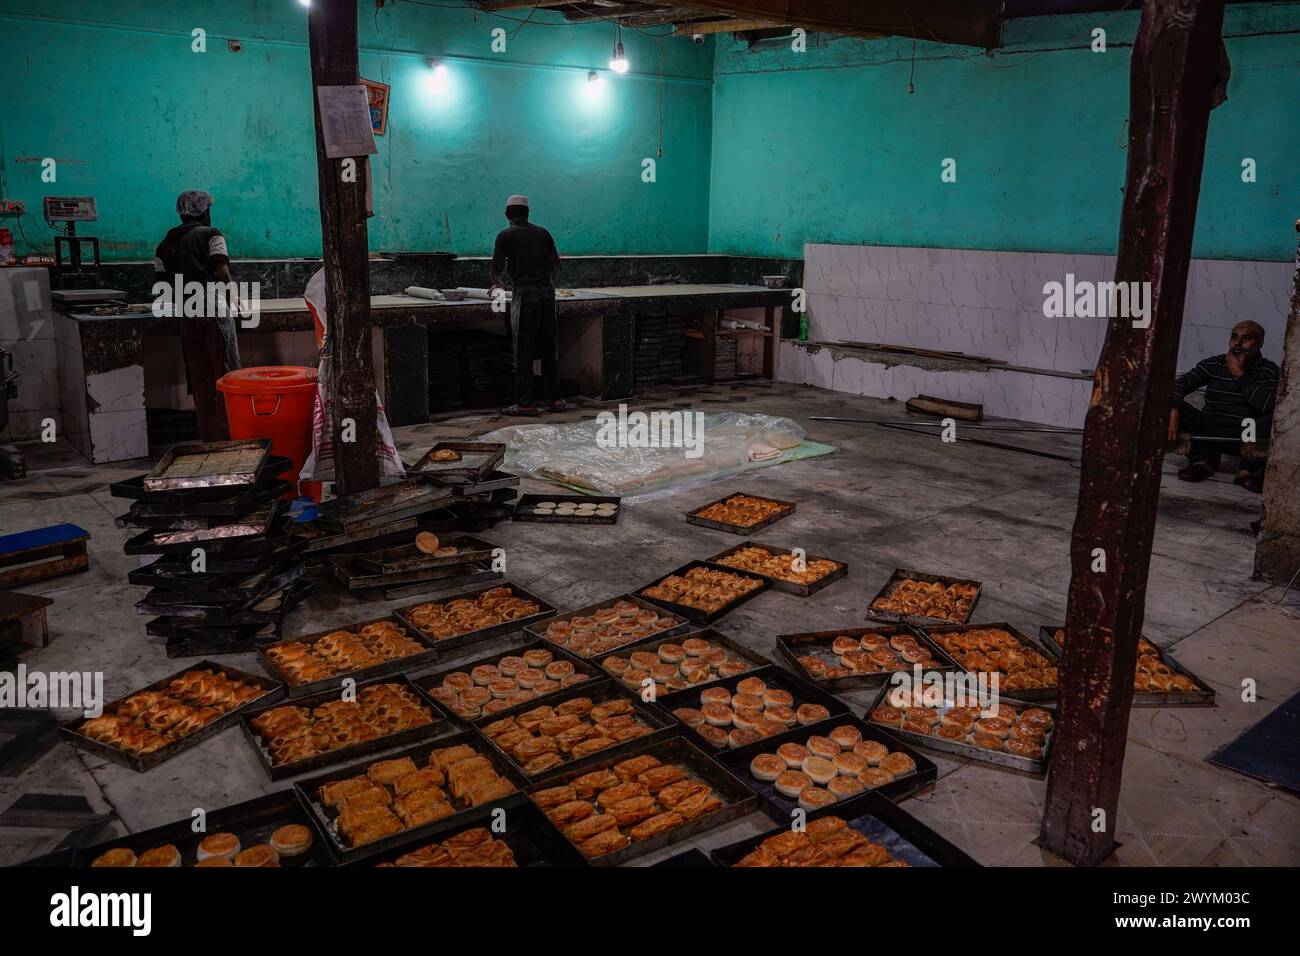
885 499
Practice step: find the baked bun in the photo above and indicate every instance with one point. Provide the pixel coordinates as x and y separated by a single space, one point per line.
815 798
1023 748
713 736
751 685
843 786
793 754
291 840
165 855
898 763
846 736
791 783
872 750
715 695
767 767
849 763
811 714
117 857
261 855
820 769
822 747
218 846
874 777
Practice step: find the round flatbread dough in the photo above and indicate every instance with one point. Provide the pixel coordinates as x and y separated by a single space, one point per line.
426 542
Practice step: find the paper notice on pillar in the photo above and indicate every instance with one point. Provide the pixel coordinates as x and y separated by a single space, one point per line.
345 121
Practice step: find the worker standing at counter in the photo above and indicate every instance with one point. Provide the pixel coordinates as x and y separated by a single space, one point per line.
195 251
527 254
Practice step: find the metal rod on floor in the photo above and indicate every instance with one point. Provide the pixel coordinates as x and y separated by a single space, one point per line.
964 426
904 427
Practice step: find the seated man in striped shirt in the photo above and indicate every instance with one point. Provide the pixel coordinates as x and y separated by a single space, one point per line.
1240 387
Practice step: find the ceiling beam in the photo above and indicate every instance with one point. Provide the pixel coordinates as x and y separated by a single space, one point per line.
967 22
707 27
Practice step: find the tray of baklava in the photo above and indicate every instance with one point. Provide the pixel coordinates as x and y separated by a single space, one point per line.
574 728
505 680
854 657
605 627
1158 679
636 804
696 659
382 804
797 573
314 663
815 766
324 729
474 615
169 716
519 837
1024 670
702 593
918 597
740 711
864 831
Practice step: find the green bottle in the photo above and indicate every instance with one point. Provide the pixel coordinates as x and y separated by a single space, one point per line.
803 326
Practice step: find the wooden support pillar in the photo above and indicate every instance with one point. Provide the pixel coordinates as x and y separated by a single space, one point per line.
332 33
1170 94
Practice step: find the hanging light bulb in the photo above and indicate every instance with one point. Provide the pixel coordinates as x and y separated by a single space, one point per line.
305 3
618 62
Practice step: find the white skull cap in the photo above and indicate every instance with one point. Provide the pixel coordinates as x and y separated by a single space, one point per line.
517 200
193 202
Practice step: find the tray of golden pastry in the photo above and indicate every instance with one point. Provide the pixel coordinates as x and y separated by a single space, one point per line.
1025 670
155 723
382 804
741 513
701 593
575 728
522 840
502 681
603 628
696 659
1158 679
801 574
270 830
918 597
1008 733
459 462
866 831
474 615
325 729
744 710
642 802
317 663
853 657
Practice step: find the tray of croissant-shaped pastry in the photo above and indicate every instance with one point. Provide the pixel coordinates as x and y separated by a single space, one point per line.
701 593
171 715
522 840
694 660
1024 670
801 574
866 831
1158 679
474 615
575 728
918 597
383 804
853 657
602 628
316 663
341 724
741 513
639 803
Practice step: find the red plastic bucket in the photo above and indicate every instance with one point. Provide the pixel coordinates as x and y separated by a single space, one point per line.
275 402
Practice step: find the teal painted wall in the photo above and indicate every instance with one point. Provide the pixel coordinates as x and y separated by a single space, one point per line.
112 90
828 146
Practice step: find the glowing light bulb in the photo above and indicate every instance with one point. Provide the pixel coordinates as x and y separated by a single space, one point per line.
618 63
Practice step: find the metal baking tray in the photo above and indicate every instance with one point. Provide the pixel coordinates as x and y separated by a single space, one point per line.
244 536
471 576
818 644
539 630
192 523
664 726
210 465
343 568
687 858
202 514
324 821
478 459
524 509
738 799
402 499
780 807
253 821
382 532
901 573
172 602
274 691
271 608
1203 698
695 614
495 481
483 633
282 550
226 501
802 691
352 752
207 641
408 557
1034 694
651 644
429 682
533 843
1027 765
905 837
694 516
331 683
780 584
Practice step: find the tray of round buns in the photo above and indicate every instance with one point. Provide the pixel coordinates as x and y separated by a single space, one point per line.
505 680
270 830
864 831
696 659
741 513
474 615
1158 679
577 727
1025 670
642 802
568 509
526 841
325 729
314 663
743 710
803 574
815 766
702 593
169 716
385 803
918 597
609 625
1018 736
849 658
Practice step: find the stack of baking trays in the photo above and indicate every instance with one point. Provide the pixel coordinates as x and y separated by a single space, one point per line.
227 570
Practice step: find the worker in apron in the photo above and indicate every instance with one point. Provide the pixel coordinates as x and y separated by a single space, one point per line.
527 254
195 251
